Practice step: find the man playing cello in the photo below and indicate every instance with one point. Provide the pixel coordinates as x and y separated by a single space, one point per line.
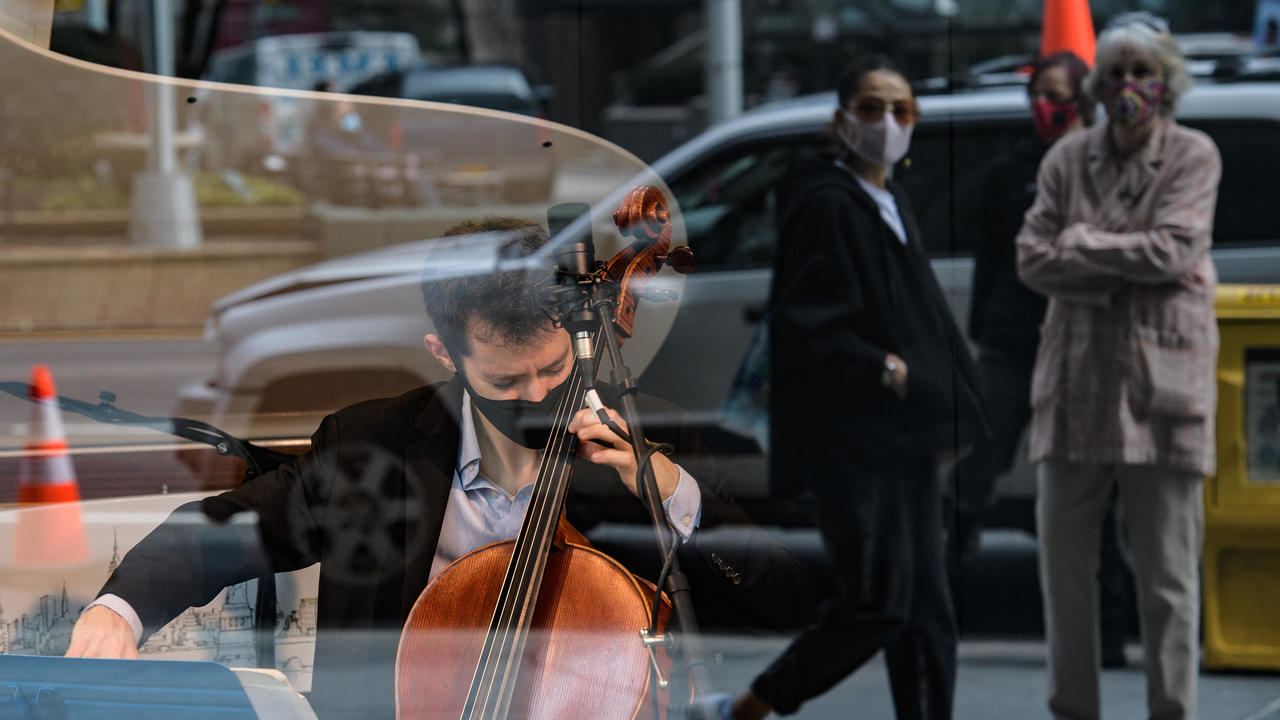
393 490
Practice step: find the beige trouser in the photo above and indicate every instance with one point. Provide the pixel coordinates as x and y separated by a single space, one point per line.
1163 512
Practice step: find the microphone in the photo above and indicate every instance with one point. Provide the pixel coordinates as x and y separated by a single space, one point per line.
575 267
575 283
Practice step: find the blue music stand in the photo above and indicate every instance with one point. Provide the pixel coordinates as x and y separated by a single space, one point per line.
55 688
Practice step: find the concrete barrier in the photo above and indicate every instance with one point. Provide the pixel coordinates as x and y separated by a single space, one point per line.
122 287
132 288
214 221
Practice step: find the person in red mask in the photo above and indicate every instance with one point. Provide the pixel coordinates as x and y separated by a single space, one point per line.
1005 315
1059 104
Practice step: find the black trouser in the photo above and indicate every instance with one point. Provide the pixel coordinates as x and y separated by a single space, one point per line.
1005 378
882 528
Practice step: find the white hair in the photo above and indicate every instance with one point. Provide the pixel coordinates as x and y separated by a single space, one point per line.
1149 36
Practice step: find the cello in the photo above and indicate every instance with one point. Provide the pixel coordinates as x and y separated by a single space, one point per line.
545 626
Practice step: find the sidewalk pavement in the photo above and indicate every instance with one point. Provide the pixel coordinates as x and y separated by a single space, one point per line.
997 680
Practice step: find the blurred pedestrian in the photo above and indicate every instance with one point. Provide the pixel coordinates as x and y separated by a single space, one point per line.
1004 324
871 382
1123 391
1005 315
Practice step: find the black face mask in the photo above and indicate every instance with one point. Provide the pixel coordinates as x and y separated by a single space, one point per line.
527 424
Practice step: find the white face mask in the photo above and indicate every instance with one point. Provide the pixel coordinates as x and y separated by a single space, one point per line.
883 142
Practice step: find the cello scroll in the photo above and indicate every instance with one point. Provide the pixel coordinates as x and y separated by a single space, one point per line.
643 214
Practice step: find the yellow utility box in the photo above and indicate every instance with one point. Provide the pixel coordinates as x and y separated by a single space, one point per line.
1242 503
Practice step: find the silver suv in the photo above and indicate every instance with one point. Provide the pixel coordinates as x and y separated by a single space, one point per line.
726 184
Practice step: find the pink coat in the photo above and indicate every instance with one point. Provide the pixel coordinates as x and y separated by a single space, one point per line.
1125 372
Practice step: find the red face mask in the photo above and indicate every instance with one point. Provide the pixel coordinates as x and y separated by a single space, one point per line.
1052 119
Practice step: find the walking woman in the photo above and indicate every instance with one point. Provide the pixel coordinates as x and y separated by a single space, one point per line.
871 382
1123 391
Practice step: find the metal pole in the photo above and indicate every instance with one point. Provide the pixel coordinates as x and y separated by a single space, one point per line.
163 211
162 148
724 59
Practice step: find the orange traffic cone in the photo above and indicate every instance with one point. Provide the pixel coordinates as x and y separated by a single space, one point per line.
53 532
1067 25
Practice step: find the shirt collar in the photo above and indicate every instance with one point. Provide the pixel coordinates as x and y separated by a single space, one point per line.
468 446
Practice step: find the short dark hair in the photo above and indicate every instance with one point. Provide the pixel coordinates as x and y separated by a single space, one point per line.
1077 70
503 305
850 81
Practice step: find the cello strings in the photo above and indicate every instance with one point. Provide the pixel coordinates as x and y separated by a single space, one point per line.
548 499
550 492
507 635
528 562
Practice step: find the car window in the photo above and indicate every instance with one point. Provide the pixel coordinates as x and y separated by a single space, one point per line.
235 68
942 174
493 90
385 85
1249 182
488 100
729 203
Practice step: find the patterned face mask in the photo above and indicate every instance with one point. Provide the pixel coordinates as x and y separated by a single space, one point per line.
1134 105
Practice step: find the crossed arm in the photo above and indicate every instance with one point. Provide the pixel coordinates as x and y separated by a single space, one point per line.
1079 262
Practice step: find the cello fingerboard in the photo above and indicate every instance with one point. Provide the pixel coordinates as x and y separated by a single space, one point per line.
494 682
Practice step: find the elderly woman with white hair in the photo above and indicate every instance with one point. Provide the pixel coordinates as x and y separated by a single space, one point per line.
1123 392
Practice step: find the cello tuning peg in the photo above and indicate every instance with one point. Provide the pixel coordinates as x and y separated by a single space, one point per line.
682 260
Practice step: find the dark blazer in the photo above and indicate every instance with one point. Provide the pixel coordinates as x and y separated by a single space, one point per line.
367 503
847 292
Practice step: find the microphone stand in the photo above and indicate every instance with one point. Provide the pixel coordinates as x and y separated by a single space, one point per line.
258 460
595 310
688 639
585 301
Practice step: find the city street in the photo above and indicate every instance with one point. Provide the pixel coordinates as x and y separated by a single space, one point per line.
998 680
1001 656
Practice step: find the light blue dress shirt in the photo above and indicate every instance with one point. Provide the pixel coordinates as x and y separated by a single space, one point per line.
480 513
